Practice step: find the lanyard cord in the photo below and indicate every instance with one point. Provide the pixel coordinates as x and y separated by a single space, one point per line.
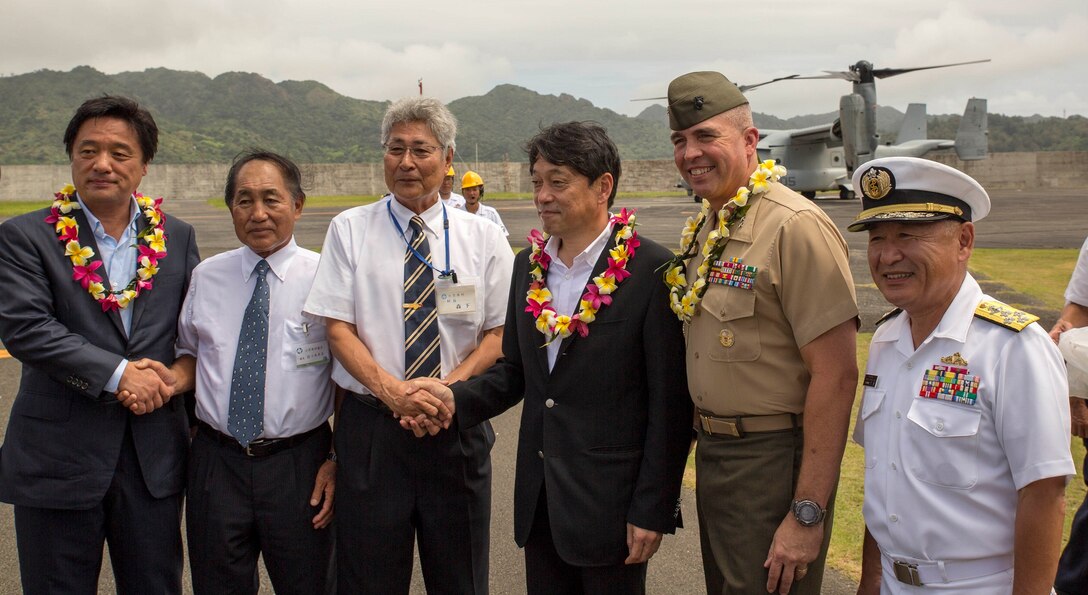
448 273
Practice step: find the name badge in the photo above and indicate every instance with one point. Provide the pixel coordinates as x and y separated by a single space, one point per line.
312 354
455 298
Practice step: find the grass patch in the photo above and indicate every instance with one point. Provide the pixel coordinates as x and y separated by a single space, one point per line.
1043 274
1040 273
11 208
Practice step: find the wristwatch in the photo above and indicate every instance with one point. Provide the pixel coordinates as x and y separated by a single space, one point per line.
331 456
808 513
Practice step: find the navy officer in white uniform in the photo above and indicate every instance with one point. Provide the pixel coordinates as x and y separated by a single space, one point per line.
964 418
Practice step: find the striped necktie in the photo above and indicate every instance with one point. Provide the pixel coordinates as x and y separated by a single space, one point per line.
245 416
422 353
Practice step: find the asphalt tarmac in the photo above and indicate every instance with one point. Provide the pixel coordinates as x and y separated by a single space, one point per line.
1019 219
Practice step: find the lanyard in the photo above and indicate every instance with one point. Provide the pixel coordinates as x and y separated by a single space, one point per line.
442 274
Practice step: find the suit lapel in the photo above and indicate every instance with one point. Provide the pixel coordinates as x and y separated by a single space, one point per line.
598 268
86 238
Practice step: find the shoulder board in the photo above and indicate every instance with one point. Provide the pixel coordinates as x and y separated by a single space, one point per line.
1004 315
888 316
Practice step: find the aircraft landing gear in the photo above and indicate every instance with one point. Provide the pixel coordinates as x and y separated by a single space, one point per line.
845 194
809 194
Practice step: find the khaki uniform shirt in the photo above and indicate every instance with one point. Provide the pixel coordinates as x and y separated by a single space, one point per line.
743 345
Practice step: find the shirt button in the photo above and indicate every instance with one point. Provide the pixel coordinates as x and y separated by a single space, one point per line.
696 355
898 415
893 467
894 518
549 403
540 453
910 365
940 426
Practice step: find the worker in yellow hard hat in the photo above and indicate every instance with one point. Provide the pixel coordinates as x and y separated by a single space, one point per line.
472 185
449 197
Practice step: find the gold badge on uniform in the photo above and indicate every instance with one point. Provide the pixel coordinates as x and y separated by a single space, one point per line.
877 183
955 359
726 338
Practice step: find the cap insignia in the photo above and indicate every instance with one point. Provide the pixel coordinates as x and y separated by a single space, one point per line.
877 183
698 102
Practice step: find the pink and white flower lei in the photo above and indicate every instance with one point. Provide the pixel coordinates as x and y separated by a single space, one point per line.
598 291
83 268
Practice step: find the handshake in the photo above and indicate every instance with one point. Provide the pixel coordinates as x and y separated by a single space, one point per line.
423 405
145 386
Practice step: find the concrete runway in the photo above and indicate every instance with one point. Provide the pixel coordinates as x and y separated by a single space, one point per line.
1020 219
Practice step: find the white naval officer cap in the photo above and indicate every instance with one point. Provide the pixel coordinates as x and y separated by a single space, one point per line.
913 189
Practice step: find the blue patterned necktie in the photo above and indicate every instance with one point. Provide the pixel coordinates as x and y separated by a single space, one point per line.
422 355
245 419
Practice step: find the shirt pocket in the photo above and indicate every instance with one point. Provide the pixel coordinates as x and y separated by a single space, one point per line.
942 443
738 335
302 340
871 401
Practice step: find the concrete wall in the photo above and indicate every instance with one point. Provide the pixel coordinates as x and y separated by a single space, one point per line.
203 181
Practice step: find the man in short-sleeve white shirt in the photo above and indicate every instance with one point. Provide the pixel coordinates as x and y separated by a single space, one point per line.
267 492
963 415
393 488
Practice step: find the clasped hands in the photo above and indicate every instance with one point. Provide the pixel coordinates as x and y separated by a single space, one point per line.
422 405
145 386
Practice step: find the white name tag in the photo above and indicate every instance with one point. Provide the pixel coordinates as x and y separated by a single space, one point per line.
312 354
455 299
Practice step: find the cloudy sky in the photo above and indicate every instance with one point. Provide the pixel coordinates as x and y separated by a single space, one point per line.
606 51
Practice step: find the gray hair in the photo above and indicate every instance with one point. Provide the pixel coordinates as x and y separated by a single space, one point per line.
740 117
430 111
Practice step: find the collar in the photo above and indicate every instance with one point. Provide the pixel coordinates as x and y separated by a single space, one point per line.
96 225
432 217
591 252
746 232
278 262
955 323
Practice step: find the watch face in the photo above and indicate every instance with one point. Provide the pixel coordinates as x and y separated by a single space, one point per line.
808 513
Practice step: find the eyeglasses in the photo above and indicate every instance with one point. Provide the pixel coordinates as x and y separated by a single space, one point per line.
418 151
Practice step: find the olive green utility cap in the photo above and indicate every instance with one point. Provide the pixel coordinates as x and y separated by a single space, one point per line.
697 96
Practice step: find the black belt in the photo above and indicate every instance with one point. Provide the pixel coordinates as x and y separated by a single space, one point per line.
258 448
372 401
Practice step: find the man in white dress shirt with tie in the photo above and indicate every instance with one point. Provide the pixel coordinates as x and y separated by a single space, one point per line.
261 472
411 288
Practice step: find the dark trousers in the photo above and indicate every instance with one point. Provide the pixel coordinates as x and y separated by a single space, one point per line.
60 551
1073 566
744 492
240 507
546 573
393 488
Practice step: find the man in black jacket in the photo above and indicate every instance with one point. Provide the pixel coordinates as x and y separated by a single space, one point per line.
592 345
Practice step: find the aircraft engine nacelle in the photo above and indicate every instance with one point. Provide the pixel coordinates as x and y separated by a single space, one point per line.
854 130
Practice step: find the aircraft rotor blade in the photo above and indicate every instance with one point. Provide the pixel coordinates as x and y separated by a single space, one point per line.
649 99
882 73
744 88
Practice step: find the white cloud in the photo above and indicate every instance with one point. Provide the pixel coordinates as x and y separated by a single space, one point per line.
607 51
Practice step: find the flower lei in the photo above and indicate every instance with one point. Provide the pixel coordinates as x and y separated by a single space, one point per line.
683 302
598 291
83 268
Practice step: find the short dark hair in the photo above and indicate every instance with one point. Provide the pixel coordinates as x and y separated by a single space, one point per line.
292 177
582 146
122 108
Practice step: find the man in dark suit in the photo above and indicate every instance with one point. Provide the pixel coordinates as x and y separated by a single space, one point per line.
92 285
599 358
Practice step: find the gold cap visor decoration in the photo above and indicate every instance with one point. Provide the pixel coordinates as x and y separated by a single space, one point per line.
909 189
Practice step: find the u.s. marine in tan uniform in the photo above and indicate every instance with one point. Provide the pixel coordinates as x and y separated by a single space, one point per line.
770 349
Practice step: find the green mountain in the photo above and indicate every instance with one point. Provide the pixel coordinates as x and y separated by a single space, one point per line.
203 119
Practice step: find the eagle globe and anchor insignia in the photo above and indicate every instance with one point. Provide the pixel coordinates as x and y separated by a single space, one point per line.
877 183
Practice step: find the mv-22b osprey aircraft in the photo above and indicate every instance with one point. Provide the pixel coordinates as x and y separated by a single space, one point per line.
823 157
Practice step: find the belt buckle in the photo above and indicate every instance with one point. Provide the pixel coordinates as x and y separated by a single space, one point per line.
705 419
907 573
256 443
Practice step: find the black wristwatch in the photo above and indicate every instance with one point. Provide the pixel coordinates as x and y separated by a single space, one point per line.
808 513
